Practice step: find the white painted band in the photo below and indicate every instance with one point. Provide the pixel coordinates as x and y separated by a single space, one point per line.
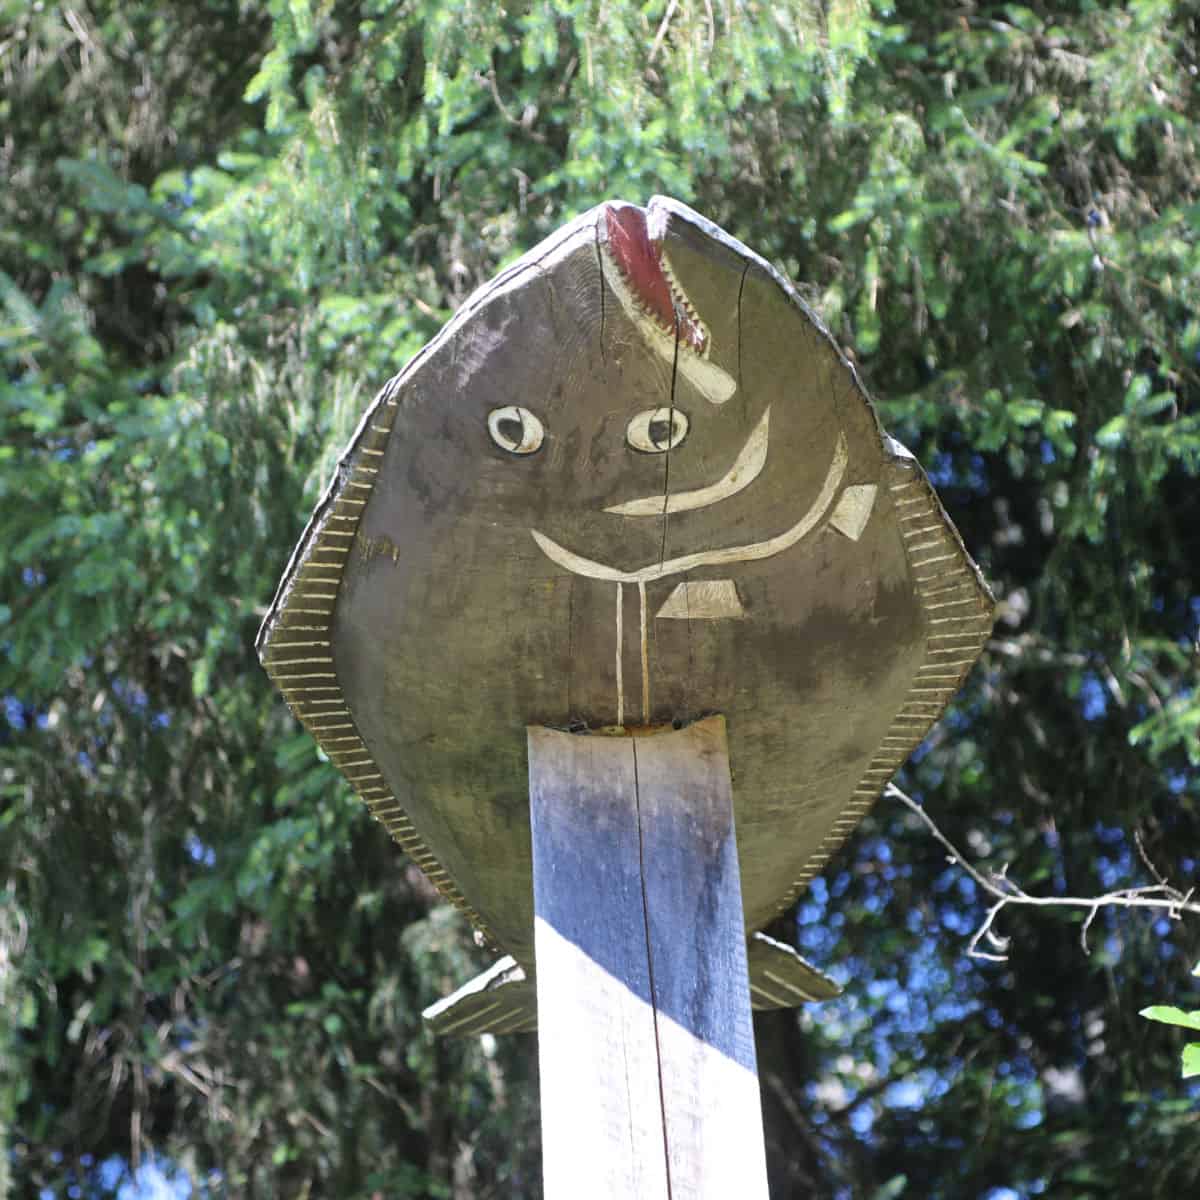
579 565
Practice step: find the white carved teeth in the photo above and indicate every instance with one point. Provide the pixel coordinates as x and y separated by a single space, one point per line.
713 382
680 298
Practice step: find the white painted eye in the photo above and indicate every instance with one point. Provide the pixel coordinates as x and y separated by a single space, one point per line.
655 430
515 429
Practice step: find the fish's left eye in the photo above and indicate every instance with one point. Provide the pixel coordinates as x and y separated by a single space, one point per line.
515 429
656 430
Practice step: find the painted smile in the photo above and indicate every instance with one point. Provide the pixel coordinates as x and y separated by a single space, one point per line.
750 551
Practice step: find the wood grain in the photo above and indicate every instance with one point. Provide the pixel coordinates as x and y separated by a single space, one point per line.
648 1075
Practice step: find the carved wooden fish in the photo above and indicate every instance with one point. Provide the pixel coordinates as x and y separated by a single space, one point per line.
632 482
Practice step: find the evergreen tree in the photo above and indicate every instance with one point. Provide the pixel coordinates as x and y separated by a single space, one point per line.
225 224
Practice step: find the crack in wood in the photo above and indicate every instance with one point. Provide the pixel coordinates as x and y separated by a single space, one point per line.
662 1091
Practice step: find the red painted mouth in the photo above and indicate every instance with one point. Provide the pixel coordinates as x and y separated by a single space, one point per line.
640 262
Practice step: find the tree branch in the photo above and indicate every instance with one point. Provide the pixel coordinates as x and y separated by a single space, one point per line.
1005 892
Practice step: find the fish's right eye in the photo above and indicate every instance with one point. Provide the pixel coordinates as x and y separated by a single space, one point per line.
656 430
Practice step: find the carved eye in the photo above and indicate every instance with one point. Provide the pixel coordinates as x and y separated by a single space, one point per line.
515 429
655 430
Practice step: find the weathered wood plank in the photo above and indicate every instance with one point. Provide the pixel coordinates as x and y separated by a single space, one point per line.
649 1083
697 945
602 1127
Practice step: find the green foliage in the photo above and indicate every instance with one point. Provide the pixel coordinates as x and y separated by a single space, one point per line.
1167 1014
224 224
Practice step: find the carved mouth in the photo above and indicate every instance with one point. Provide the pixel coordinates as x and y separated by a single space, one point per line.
651 281
640 276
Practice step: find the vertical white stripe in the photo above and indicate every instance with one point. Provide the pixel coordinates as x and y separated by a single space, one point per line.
620 639
645 657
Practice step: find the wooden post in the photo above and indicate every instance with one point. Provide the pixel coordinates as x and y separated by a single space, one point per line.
649 1083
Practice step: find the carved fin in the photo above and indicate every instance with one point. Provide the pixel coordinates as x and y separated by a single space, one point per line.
503 999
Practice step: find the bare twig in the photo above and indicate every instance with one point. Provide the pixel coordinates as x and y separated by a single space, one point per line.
662 30
525 121
1004 891
1141 849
